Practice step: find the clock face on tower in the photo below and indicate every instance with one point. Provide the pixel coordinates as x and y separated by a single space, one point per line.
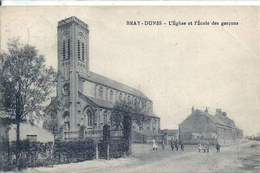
66 89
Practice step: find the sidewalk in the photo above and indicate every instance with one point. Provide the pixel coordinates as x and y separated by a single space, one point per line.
82 166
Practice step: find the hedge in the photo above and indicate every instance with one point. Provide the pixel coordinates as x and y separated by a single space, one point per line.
36 154
32 154
73 151
117 148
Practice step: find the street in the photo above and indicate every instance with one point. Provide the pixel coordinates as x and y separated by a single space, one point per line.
239 157
244 156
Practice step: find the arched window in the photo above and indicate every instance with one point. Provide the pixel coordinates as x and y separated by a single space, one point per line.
78 49
68 48
66 117
64 49
90 118
105 117
111 95
83 52
100 92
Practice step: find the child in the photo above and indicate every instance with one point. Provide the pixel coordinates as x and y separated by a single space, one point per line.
163 144
218 147
199 147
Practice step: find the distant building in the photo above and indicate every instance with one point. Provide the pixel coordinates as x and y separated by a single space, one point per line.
87 97
170 134
201 126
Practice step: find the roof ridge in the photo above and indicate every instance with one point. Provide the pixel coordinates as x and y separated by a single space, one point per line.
122 87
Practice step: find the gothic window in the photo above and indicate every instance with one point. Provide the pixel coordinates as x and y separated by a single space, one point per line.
64 50
66 117
83 52
100 92
68 48
111 95
90 118
78 49
105 117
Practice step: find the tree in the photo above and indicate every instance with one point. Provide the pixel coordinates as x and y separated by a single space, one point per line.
51 122
26 84
124 114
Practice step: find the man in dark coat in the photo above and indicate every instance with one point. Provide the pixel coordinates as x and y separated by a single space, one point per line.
218 147
182 146
172 144
176 145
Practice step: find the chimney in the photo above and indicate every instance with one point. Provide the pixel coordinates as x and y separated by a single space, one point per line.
192 109
224 114
218 111
206 110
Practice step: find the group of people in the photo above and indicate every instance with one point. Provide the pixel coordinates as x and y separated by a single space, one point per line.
174 143
206 147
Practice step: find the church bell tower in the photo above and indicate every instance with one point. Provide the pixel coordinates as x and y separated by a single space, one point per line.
73 58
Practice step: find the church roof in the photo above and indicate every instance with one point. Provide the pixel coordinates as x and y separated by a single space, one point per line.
104 103
94 77
98 102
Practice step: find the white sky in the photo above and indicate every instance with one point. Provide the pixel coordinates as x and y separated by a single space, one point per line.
176 67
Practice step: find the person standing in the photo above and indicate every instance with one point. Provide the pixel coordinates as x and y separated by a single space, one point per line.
163 144
176 145
207 146
182 146
199 147
218 147
154 145
172 144
204 148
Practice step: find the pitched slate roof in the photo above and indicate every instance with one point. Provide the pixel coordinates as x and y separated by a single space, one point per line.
212 117
94 77
98 102
103 103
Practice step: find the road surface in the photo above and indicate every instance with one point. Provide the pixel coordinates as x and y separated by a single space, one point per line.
241 157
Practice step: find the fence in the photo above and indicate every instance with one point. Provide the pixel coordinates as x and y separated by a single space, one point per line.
91 134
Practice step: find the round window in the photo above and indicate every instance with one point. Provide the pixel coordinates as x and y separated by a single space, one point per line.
66 89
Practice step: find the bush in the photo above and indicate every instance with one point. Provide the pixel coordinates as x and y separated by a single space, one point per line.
117 147
32 154
73 151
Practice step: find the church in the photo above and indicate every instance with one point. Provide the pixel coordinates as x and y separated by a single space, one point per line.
86 98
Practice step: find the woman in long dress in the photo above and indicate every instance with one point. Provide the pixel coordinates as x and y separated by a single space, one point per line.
154 145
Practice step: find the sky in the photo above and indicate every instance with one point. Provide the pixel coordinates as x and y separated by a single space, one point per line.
177 67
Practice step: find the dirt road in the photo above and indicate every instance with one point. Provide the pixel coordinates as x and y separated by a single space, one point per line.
242 157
